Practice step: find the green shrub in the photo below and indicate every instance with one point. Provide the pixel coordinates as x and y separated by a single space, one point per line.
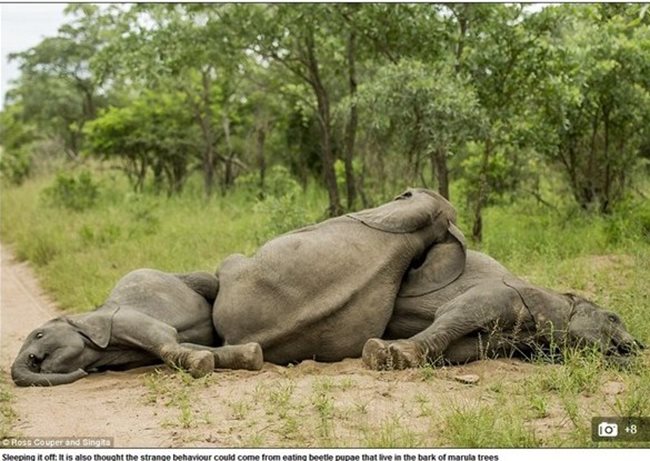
282 214
280 206
15 165
278 182
74 193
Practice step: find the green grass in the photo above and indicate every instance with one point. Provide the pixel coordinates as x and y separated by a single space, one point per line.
488 426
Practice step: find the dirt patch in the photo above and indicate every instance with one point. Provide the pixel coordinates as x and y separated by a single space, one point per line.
311 404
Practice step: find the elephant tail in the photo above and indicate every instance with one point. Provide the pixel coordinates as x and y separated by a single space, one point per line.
204 283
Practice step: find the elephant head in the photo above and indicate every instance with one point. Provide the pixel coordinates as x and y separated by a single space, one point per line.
592 326
568 319
416 210
58 351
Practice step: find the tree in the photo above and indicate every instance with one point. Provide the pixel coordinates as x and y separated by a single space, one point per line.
494 47
57 88
302 42
432 112
149 134
16 135
185 48
594 98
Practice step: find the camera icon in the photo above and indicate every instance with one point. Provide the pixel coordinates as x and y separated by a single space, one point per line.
606 429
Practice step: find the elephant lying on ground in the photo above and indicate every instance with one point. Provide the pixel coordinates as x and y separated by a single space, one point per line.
488 312
322 291
149 317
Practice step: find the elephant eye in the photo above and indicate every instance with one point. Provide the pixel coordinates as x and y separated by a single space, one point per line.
32 356
39 335
612 318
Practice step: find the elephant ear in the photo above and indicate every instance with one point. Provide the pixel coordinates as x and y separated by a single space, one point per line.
444 263
550 311
97 326
408 213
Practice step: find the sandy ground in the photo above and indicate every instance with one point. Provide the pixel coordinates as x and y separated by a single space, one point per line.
311 404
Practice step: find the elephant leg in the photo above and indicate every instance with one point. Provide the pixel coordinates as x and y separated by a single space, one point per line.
205 284
481 308
133 328
470 348
401 354
486 346
237 357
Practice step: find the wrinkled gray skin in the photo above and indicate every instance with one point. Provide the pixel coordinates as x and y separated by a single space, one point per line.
488 312
322 291
149 317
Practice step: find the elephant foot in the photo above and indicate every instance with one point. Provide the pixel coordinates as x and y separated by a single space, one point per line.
241 357
200 363
376 356
393 355
196 363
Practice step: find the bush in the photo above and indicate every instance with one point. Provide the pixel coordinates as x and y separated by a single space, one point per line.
279 182
15 165
74 193
283 207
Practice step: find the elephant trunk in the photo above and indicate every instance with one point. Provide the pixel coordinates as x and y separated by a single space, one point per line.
23 375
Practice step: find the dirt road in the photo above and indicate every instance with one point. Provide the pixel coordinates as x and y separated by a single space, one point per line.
312 404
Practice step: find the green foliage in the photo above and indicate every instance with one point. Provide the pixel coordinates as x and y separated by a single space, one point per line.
73 192
58 90
593 100
285 207
429 111
364 98
152 134
15 165
15 153
278 182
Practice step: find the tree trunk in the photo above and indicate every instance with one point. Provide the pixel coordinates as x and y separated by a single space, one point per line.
203 117
261 159
441 171
324 119
482 195
351 128
229 177
605 199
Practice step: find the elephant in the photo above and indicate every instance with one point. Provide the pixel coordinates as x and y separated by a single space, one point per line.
149 317
322 291
488 312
